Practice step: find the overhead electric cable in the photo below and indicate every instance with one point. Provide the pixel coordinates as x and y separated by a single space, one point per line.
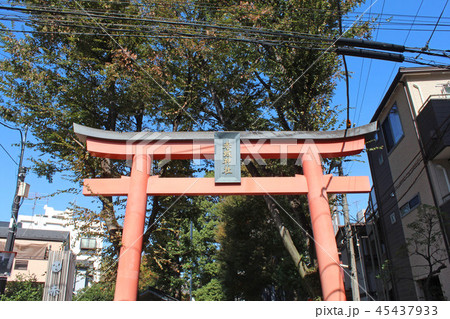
432 33
171 22
227 8
347 84
8 154
356 120
266 32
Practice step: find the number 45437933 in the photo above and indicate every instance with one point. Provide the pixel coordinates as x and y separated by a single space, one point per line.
407 310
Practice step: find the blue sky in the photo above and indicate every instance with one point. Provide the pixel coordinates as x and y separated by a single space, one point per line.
368 84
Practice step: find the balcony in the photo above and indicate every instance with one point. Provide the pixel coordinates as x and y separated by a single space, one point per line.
433 123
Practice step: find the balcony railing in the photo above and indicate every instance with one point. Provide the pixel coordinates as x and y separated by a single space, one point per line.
443 96
433 123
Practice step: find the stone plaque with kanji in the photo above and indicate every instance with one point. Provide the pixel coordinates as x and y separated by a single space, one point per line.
227 157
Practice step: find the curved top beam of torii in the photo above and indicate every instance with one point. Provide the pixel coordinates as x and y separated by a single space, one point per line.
200 145
84 131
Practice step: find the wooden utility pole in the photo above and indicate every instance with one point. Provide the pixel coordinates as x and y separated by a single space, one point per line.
18 195
350 248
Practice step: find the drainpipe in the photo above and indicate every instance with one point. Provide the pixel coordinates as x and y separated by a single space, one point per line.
420 92
425 162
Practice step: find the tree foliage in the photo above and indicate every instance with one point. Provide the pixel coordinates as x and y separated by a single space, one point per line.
253 265
426 243
99 291
24 288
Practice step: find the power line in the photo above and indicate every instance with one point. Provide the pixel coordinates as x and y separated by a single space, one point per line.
372 54
15 129
347 84
437 22
356 120
229 9
9 154
195 24
192 23
163 21
349 15
10 127
426 45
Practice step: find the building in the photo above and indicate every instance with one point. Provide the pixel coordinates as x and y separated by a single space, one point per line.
33 247
86 248
153 294
409 159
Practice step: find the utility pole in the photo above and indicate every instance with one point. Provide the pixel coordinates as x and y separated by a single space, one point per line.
190 270
350 247
19 194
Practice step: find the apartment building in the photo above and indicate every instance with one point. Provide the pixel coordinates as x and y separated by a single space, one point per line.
409 158
87 248
33 247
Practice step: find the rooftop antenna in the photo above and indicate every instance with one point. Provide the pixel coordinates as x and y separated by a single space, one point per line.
36 195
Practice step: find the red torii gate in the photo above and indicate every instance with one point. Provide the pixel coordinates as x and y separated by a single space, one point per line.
143 147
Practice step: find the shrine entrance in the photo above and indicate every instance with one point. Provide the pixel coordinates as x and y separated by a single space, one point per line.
227 149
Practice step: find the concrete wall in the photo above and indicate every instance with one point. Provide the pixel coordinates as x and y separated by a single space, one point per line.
422 86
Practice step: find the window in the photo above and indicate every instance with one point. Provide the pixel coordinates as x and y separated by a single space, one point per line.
393 219
373 202
380 159
21 265
409 206
83 278
88 243
392 128
443 181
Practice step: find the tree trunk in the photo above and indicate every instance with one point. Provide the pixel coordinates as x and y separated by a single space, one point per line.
114 229
286 237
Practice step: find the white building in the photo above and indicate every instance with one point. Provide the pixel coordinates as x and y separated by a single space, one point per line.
86 248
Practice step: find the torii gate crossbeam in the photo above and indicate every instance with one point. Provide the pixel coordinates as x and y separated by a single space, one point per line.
307 147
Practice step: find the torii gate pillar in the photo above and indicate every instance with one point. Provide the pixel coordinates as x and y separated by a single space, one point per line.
325 242
133 228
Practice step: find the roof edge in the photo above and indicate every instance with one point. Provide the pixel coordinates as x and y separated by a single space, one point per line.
401 72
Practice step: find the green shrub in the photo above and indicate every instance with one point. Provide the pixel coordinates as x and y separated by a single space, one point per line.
25 288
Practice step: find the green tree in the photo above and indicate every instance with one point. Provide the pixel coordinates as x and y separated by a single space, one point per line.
252 263
205 246
24 288
426 242
173 258
212 291
99 291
